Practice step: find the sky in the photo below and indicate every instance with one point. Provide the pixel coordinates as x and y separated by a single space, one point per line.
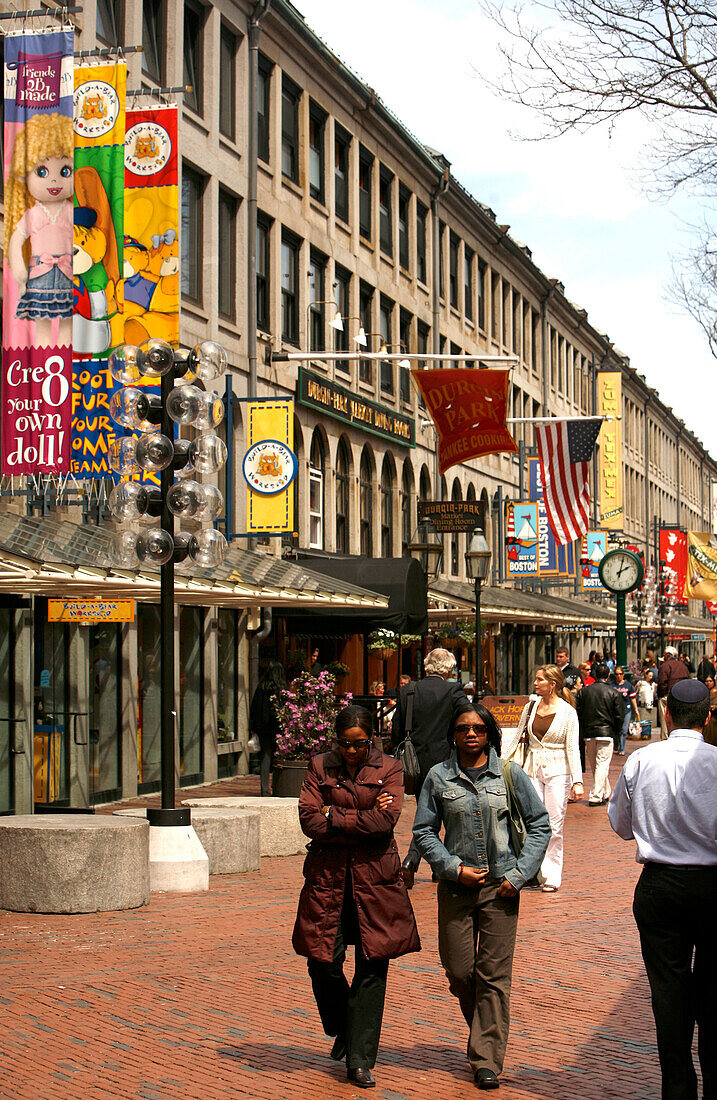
576 201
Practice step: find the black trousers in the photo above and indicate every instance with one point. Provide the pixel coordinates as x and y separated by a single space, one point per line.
354 1011
675 910
413 856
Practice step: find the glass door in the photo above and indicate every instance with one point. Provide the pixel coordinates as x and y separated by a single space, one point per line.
105 712
51 725
191 695
149 713
7 709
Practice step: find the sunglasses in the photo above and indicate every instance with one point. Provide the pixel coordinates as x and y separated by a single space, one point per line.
469 727
358 745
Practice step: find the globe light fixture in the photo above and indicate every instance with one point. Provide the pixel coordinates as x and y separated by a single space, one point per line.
186 499
123 549
208 548
155 452
128 407
122 456
213 502
123 365
211 410
155 546
155 358
128 500
207 453
184 404
208 360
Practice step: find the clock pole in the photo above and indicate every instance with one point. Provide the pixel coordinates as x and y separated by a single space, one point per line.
621 630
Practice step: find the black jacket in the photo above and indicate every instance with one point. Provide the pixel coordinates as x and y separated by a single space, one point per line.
262 716
705 669
570 675
601 711
433 702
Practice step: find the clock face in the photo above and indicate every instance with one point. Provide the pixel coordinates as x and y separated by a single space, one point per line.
621 571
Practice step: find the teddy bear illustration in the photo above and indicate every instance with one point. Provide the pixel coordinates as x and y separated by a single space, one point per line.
145 146
93 106
97 324
151 288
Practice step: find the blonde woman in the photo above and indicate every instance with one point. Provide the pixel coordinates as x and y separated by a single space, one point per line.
545 744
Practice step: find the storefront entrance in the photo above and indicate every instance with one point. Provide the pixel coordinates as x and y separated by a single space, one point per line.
8 731
52 720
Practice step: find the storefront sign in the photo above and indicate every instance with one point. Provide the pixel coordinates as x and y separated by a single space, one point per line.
468 408
269 467
37 273
610 455
452 515
522 540
90 611
317 392
701 579
594 548
505 709
673 551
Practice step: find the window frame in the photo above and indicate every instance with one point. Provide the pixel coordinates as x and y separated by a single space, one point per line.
366 163
386 491
343 499
290 299
404 213
421 255
230 202
454 245
193 56
290 98
386 311
265 73
468 258
342 298
228 57
263 277
115 10
317 118
385 210
366 298
365 505
317 296
191 177
156 41
342 141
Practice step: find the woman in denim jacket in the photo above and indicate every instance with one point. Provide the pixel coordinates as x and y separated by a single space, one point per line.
480 876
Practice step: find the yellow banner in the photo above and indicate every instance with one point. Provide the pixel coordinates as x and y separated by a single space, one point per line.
610 455
701 575
269 467
90 611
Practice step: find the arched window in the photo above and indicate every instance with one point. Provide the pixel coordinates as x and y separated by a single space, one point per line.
316 492
366 503
456 494
342 498
424 485
406 507
387 480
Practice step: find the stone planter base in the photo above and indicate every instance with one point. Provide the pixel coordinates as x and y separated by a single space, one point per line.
287 778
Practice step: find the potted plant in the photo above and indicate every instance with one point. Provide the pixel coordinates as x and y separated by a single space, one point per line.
338 670
382 643
306 716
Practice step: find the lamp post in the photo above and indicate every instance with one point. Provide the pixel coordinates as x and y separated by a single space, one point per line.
478 557
660 594
426 547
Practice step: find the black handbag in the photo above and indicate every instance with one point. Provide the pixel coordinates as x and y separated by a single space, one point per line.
406 751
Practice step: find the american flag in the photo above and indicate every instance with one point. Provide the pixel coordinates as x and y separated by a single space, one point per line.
565 450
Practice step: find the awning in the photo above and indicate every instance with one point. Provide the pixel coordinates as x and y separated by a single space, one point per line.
54 557
401 580
513 605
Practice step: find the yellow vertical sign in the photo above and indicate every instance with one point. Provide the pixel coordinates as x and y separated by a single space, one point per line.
610 458
269 461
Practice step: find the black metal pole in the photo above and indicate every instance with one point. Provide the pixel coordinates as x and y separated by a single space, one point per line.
479 645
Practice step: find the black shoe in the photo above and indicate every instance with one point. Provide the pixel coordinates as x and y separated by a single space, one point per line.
486 1079
362 1077
338 1050
409 873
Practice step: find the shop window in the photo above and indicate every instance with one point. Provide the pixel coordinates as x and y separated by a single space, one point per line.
192 231
316 493
421 218
385 207
194 56
406 507
227 266
227 82
342 499
263 272
317 129
342 146
152 39
290 248
227 678
149 697
191 694
365 193
263 102
366 505
105 716
290 99
108 21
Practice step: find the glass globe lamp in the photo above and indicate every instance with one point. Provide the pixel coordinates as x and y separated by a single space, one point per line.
127 407
207 453
211 410
122 455
128 500
208 360
213 502
155 546
123 549
154 452
184 404
208 548
155 358
186 498
123 365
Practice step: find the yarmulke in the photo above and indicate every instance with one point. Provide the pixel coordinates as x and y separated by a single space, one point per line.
689 691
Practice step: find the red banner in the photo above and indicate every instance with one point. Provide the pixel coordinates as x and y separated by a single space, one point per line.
673 551
468 408
711 607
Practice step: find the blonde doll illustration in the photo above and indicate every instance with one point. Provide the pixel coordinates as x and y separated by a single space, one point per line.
38 224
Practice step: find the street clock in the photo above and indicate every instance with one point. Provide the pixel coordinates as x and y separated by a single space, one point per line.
621 571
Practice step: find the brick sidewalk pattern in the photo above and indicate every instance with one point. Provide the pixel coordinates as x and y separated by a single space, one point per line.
201 997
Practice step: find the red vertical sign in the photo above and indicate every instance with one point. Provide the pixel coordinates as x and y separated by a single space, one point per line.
673 551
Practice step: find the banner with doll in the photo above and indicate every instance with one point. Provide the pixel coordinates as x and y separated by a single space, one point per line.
37 250
151 226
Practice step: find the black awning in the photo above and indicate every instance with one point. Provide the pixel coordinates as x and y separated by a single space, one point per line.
401 579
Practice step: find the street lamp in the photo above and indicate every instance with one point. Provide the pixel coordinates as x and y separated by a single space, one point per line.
478 557
427 548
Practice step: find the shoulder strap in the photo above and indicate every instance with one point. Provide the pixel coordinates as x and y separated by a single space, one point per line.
508 779
410 691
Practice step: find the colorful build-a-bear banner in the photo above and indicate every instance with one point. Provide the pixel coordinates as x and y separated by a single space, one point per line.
37 251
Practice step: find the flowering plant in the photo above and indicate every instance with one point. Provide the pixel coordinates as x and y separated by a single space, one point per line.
306 714
382 639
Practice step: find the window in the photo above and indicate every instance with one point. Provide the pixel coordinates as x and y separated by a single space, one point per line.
517 322
317 127
228 674
366 505
263 100
227 82
193 56
387 510
290 97
506 314
263 272
152 39
495 306
385 211
404 336
406 507
342 499
453 268
342 145
108 21
481 294
342 297
441 280
455 538
227 254
422 336
365 174
365 313
317 281
192 231
404 198
316 493
468 282
421 216
385 324
290 247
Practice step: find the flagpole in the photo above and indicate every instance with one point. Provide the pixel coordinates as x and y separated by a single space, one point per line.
555 419
387 356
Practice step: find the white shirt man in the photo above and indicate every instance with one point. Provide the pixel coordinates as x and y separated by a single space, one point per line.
666 800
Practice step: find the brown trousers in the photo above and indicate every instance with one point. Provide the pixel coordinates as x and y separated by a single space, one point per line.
476 940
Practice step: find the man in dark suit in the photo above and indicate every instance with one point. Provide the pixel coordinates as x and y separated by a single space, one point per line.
433 700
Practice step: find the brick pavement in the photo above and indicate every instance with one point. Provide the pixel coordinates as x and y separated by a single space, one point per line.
200 996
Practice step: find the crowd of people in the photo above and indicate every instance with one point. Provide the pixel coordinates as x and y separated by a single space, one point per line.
489 821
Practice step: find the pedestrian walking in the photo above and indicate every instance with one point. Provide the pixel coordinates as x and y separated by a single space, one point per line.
353 892
480 875
671 670
546 745
262 718
626 690
706 668
665 801
425 707
569 671
585 673
646 691
600 714
710 730
684 657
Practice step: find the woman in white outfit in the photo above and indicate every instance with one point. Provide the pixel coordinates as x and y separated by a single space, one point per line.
546 745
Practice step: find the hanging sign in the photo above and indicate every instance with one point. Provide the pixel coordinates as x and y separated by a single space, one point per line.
594 548
90 611
609 384
468 408
673 551
547 546
269 467
701 576
452 515
37 270
522 540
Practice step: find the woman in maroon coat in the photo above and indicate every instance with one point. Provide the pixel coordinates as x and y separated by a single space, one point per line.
354 891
